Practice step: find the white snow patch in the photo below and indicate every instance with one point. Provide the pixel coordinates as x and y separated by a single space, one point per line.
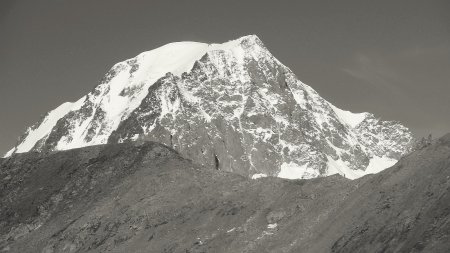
188 95
135 137
205 115
167 106
258 175
231 230
299 97
281 120
340 167
272 226
349 118
376 164
292 170
263 133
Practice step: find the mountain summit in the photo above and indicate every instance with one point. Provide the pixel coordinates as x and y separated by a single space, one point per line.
232 106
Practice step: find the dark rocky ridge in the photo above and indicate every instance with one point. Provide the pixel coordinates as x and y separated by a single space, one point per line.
146 198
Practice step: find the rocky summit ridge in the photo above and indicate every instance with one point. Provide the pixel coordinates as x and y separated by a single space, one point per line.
232 106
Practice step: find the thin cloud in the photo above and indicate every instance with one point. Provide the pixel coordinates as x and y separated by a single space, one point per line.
373 71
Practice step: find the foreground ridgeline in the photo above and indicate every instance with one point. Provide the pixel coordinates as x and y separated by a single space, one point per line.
144 197
233 106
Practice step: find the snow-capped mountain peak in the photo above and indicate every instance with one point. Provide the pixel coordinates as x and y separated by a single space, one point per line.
232 105
125 85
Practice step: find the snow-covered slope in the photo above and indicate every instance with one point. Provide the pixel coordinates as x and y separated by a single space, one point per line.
230 105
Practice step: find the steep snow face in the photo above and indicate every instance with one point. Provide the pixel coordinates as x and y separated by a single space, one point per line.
349 118
232 106
42 129
95 116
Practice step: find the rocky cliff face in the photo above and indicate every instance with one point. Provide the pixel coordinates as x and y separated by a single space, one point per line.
233 106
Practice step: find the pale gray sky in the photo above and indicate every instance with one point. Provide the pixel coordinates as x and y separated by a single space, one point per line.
391 58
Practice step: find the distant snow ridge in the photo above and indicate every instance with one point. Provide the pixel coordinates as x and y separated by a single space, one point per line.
232 106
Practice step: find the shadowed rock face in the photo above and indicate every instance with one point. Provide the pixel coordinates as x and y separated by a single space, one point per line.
236 107
145 198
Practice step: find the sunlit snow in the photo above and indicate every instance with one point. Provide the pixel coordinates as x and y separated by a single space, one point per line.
352 119
258 175
128 83
174 58
294 171
376 165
